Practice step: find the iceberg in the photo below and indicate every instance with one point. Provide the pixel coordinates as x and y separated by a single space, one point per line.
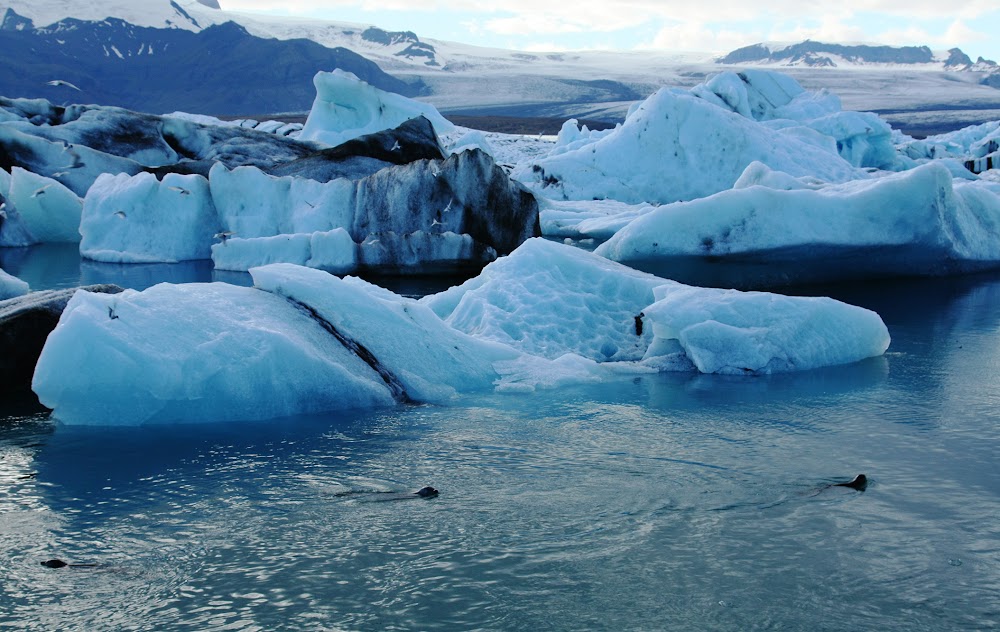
47 210
548 299
675 146
26 320
862 138
976 146
11 286
346 108
333 251
196 352
733 332
601 309
917 222
303 340
138 219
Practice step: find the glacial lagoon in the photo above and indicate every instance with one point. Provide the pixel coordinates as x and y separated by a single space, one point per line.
661 501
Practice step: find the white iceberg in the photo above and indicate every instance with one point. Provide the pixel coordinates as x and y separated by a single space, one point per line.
333 251
346 108
251 203
600 309
861 138
915 222
303 340
675 146
196 352
547 299
732 332
47 210
138 219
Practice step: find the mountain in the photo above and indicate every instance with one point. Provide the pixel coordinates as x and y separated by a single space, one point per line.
821 55
945 92
219 69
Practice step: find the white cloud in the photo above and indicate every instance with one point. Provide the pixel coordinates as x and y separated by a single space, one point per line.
603 15
697 37
718 25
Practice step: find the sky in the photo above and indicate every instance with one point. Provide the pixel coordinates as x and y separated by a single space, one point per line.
703 26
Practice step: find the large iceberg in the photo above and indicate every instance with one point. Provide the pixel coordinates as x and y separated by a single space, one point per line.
346 108
139 219
196 352
976 146
548 299
46 210
915 222
460 210
862 138
732 332
676 146
26 320
303 340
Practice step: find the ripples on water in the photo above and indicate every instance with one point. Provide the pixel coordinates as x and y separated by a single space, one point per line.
661 502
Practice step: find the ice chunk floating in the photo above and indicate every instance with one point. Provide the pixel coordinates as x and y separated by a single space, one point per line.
305 341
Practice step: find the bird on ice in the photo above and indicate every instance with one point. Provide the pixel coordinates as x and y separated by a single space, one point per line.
59 83
223 235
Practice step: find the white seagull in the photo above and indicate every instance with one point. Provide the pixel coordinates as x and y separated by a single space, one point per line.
59 82
40 191
180 190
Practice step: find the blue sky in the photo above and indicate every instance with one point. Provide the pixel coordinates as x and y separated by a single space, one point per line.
715 26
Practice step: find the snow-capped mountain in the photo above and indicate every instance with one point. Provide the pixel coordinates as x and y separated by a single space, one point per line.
823 55
219 68
457 78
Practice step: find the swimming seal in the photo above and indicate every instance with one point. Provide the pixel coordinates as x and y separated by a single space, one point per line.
62 564
427 492
859 483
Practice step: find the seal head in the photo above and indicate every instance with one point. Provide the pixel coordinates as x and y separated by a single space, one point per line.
54 564
859 483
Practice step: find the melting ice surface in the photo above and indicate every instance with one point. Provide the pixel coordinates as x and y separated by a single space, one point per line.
302 340
655 501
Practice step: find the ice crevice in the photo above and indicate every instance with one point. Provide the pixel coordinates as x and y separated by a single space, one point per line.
394 384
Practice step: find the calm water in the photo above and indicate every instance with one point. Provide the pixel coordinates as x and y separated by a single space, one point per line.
668 502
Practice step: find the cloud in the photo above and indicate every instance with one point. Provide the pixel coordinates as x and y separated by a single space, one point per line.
719 25
698 37
603 15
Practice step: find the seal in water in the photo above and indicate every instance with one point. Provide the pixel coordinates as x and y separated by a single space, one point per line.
859 483
380 496
62 564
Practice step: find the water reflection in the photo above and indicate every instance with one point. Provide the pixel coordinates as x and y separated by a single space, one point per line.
672 501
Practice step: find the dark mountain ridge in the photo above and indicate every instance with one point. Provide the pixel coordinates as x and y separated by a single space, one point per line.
819 54
220 70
